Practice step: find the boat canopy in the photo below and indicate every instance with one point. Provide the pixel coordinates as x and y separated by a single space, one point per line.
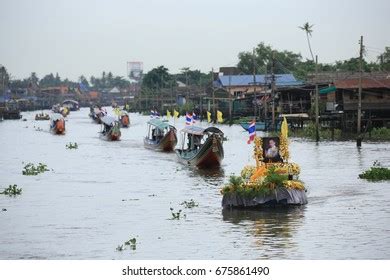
70 101
108 120
159 124
122 113
196 130
56 117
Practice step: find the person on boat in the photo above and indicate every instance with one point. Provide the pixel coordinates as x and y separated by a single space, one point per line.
197 141
272 151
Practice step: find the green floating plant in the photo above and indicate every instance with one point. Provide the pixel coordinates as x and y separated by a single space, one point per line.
12 190
31 170
189 204
176 215
71 145
376 173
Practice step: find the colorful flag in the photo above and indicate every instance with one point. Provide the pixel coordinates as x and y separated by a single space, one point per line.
154 114
188 119
175 114
169 114
252 131
219 117
208 117
194 117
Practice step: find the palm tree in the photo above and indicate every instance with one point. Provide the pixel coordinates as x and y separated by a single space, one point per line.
308 29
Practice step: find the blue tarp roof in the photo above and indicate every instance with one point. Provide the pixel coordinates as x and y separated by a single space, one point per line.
282 80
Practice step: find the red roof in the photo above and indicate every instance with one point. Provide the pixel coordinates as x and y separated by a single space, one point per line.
366 83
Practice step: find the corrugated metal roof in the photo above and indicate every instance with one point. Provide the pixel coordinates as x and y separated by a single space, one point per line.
247 80
366 83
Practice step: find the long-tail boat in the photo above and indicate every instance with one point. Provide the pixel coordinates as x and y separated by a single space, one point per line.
57 124
124 119
204 146
161 136
96 113
273 181
111 130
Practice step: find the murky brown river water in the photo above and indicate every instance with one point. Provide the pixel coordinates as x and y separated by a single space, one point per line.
104 193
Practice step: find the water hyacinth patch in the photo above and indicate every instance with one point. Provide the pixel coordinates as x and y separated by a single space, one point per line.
189 204
71 145
12 190
31 170
376 173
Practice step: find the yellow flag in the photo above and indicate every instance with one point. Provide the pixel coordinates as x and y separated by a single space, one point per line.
284 128
175 113
208 116
169 114
117 111
219 117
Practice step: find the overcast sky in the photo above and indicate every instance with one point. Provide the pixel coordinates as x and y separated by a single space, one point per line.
74 37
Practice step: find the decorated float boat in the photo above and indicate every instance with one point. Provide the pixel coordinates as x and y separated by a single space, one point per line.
111 130
72 105
272 181
161 136
57 124
204 146
42 117
124 119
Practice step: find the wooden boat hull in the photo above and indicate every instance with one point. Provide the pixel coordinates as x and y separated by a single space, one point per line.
58 128
281 196
125 121
166 144
110 136
209 155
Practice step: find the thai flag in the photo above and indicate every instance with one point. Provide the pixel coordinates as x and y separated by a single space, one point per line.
252 131
188 119
194 117
154 114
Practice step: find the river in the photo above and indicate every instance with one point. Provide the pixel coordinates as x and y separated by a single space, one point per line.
102 194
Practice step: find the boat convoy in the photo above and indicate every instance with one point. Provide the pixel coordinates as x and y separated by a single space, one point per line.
273 181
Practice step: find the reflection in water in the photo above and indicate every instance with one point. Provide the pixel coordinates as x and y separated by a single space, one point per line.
213 176
273 228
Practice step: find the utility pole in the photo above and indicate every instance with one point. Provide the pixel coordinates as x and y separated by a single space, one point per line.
212 87
359 109
273 90
316 103
254 84
230 100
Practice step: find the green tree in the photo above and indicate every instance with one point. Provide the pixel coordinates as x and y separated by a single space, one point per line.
308 28
158 77
284 61
4 78
83 80
34 80
47 81
384 59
